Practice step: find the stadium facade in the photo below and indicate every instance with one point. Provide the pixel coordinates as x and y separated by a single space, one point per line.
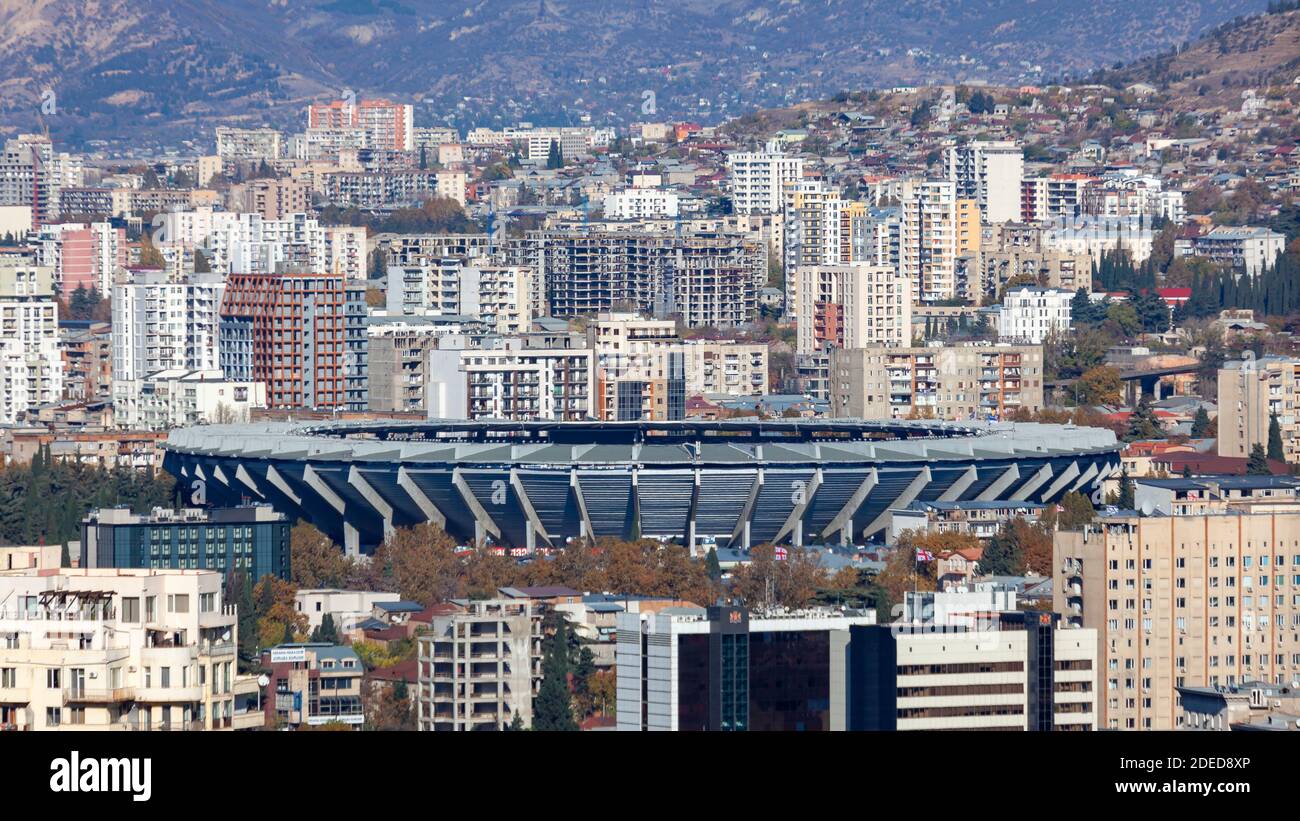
533 485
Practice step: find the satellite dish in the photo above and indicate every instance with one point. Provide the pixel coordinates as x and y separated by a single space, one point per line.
225 636
263 680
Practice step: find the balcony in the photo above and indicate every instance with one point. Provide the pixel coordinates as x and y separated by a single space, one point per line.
98 695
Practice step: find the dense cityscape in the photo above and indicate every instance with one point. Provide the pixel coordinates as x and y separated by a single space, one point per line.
943 407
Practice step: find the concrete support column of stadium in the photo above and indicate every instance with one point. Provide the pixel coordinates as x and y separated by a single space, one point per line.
536 485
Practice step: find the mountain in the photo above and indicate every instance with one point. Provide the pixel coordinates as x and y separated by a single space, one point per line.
162 70
1255 52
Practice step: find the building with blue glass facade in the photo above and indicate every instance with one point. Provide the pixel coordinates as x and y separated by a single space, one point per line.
251 539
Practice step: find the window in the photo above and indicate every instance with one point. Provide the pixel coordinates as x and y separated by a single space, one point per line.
178 603
131 609
8 677
53 679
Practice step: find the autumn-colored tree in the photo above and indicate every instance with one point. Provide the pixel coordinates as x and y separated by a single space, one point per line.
387 706
602 688
278 619
315 560
903 573
420 563
767 581
1100 386
485 572
1031 543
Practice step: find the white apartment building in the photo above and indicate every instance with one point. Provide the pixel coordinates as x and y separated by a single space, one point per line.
119 649
1028 315
248 243
640 203
179 398
505 297
344 607
1095 236
990 173
852 306
928 241
31 364
813 211
345 251
758 178
505 380
160 325
248 144
480 669
1248 249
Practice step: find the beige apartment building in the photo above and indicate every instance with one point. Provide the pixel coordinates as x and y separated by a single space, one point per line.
481 668
118 649
640 370
854 305
1251 391
1203 600
937 382
725 367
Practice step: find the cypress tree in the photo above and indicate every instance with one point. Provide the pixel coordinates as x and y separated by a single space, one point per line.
1275 450
1126 492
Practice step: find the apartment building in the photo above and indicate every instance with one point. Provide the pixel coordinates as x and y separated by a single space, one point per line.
1013 671
1247 249
639 368
398 356
273 199
252 540
302 334
757 179
710 279
640 203
244 144
505 298
725 368
178 398
1252 392
723 668
928 241
313 683
385 123
813 214
1029 315
82 256
344 607
160 325
31 365
1053 197
506 378
852 306
479 670
1206 599
936 382
118 649
989 173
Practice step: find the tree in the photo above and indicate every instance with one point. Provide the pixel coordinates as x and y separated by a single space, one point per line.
768 581
389 708
1100 386
553 708
201 265
315 560
278 619
1076 511
554 159
712 565
903 572
1029 542
517 723
1125 500
1257 464
240 593
1142 423
603 690
418 562
1000 557
1201 423
1275 450
327 632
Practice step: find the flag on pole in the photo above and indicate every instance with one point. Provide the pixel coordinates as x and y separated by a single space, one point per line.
780 553
924 555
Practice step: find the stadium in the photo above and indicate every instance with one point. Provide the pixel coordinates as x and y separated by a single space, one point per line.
533 485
